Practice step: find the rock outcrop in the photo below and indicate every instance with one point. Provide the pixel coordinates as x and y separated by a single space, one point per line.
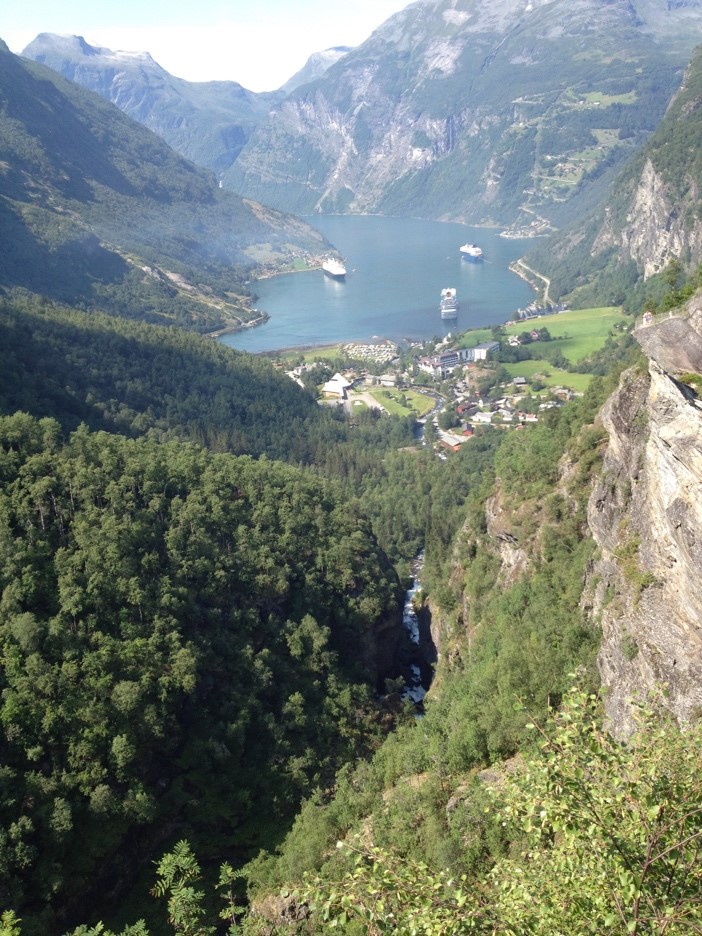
645 513
656 230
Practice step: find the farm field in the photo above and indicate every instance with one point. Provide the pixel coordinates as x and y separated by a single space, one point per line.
577 333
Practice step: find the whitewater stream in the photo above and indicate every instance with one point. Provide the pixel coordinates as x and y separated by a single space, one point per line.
414 688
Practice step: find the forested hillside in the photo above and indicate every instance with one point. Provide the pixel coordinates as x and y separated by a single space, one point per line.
121 618
97 211
136 379
224 643
186 640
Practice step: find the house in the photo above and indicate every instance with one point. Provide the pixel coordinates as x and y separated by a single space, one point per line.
519 382
439 365
338 386
387 380
484 418
450 446
514 342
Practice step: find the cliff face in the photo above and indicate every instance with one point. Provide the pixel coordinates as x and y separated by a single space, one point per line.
450 110
645 514
656 230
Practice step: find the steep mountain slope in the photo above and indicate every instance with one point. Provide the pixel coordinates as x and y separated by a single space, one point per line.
504 112
652 217
97 210
207 122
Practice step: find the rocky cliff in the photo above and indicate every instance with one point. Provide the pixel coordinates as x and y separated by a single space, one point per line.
651 216
451 110
646 516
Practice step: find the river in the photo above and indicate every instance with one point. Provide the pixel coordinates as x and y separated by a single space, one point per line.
397 268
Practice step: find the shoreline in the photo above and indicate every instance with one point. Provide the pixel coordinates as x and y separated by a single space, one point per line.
313 263
242 326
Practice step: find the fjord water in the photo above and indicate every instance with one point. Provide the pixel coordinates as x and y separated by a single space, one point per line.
397 268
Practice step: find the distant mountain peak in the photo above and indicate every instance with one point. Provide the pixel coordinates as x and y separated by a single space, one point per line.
49 45
315 66
208 122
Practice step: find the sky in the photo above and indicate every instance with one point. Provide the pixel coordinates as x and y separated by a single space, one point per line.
258 43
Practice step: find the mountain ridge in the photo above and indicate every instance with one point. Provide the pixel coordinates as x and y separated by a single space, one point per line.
451 110
92 204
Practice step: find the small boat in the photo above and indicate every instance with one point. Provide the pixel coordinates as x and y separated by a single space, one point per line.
334 268
472 252
449 304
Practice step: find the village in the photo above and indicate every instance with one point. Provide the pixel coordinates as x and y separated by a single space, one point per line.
453 386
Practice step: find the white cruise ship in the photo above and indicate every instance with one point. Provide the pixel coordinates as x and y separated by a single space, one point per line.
449 304
472 252
334 268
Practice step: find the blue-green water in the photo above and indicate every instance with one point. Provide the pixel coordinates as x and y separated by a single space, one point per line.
396 270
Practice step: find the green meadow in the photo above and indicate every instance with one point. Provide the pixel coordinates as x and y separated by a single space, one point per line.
310 355
578 333
402 402
550 375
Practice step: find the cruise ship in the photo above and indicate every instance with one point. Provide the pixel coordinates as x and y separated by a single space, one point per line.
448 305
472 252
334 268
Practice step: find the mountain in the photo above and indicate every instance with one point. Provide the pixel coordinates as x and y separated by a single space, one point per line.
207 122
315 66
510 113
651 218
646 525
96 210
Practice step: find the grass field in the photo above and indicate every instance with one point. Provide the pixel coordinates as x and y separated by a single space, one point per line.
551 376
310 355
403 402
579 333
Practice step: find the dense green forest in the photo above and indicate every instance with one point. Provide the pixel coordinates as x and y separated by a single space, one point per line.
190 616
187 643
136 379
183 637
87 516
